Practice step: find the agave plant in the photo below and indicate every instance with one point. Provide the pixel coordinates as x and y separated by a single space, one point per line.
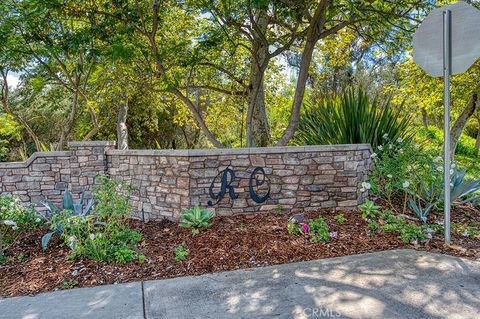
422 214
76 209
351 118
195 218
461 190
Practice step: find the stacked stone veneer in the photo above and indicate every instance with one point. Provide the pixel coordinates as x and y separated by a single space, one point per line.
167 181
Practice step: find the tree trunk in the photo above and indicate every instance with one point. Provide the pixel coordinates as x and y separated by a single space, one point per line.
424 117
477 142
122 130
313 35
299 92
462 120
65 133
258 130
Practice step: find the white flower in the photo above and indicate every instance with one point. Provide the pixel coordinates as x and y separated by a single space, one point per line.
437 159
400 151
389 175
385 136
451 184
400 140
373 155
451 171
10 223
417 146
366 185
380 147
99 235
390 146
37 220
454 165
406 184
465 233
362 189
92 236
440 168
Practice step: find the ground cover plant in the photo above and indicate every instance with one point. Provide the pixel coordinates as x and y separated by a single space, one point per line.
15 219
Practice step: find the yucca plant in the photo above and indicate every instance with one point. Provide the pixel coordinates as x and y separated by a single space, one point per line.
351 118
196 218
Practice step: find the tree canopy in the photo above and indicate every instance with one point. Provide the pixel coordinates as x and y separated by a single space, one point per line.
205 73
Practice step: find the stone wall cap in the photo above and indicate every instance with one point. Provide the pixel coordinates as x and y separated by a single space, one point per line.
33 157
243 151
91 143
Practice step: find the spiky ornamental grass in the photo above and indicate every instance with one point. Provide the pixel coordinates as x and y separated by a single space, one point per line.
351 118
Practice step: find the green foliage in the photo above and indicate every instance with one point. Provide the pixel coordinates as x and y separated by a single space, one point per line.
319 230
72 283
12 210
340 218
103 234
180 252
434 136
279 209
391 223
412 233
404 168
373 226
387 222
293 227
351 119
369 210
196 218
10 132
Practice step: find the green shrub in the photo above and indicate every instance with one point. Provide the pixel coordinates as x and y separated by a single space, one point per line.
180 252
196 218
102 235
349 119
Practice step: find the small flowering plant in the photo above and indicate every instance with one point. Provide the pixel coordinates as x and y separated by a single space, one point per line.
403 169
316 229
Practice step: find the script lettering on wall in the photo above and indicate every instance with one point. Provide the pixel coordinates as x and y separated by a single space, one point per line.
227 178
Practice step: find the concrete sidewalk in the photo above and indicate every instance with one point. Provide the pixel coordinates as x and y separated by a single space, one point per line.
392 284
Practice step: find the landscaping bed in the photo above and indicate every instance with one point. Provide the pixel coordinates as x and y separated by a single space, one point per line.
230 243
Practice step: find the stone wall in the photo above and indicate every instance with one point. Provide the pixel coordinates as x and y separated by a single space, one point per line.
167 181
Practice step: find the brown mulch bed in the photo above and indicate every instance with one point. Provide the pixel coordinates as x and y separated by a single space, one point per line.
231 243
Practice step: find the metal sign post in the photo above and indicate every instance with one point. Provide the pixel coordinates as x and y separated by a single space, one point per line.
459 49
447 71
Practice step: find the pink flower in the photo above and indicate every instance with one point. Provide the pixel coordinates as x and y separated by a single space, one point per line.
305 228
